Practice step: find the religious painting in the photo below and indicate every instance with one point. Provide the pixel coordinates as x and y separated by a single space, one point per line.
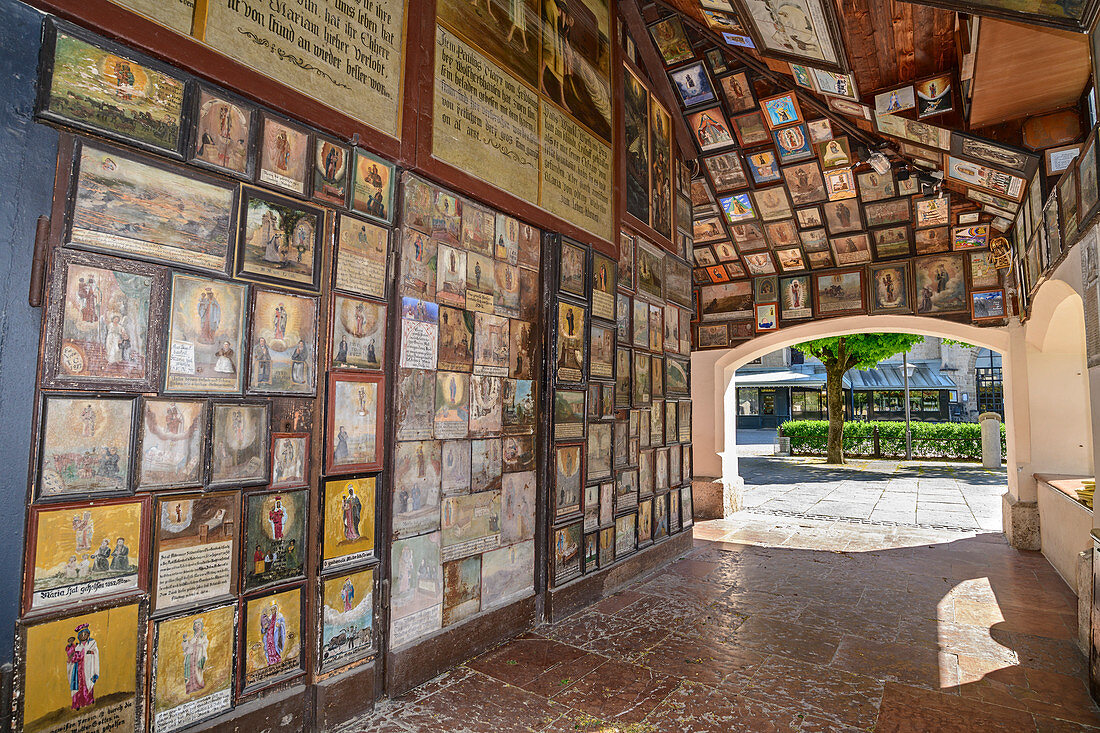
194 534
289 460
624 308
603 287
834 153
486 405
172 443
762 165
517 512
576 70
279 241
347 632
809 217
772 203
650 270
726 172
570 344
889 286
750 129
660 125
455 468
848 107
716 61
842 216
567 553
891 241
506 294
417 595
452 405
840 184
737 90
710 129
417 485
931 241
819 131
272 637
84 445
206 335
781 110
362 258
94 85
137 208
95 681
478 228
372 186
636 115
676 377
1067 199
875 186
507 574
851 249
940 284
522 348
626 262
415 404
193 655
793 144
599 451
82 552
284 155
355 414
972 236
641 380
692 84
782 233
572 270
568 479
767 317
625 535
707 230
239 436
988 305
934 96
895 100
806 185
601 354
645 522
730 300
461 589
103 329
358 333
710 336
456 339
1087 188
990 179
800 32
283 344
330 171
486 464
622 378
274 537
656 324
795 298
892 211
983 275
839 292
491 343
668 35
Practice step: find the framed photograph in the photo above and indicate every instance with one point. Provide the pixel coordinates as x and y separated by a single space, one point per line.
750 129
348 504
81 553
279 241
781 110
283 343
573 270
935 96
91 84
358 337
223 136
890 211
692 84
813 39
794 302
347 610
710 128
840 292
372 186
171 443
361 261
265 620
837 85
889 288
737 89
195 530
767 317
892 241
762 165
330 163
793 144
239 443
354 422
895 100
136 207
285 154
806 186
115 638
104 329
85 445
988 305
671 41
1057 159
940 284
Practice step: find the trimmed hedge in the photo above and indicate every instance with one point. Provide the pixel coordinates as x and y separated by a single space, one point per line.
947 440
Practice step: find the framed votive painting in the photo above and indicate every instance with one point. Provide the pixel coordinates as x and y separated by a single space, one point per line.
84 445
355 422
279 240
239 437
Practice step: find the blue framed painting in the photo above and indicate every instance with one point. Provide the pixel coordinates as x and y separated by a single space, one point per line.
737 207
693 85
781 110
792 144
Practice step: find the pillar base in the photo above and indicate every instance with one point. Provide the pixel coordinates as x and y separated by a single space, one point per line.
1084 600
1021 522
714 498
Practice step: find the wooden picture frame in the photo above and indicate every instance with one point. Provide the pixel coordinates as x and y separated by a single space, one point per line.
279 461
334 464
327 183
263 238
174 421
216 476
245 687
823 307
991 303
222 515
825 25
237 157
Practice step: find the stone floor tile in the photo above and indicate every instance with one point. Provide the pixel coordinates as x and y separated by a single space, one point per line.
896 662
842 698
911 710
623 693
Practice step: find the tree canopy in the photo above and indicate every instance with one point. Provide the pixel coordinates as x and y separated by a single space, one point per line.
860 350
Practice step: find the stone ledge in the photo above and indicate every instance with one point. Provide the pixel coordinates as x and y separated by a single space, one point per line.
714 498
1021 522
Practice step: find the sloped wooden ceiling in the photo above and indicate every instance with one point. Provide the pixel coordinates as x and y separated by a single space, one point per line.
891 42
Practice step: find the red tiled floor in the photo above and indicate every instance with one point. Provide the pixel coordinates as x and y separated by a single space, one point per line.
915 631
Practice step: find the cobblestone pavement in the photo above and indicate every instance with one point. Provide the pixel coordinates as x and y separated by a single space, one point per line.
790 624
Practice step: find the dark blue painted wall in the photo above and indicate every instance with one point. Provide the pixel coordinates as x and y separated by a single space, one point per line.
28 155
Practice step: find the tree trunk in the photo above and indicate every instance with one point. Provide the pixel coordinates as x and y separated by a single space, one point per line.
834 390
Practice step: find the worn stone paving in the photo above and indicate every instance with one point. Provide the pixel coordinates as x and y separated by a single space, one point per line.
941 495
790 624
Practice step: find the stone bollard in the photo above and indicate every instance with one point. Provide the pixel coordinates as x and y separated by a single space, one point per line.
991 439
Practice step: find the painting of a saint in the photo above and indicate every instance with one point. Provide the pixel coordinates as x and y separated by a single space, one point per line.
348 613
85 445
354 422
240 444
273 637
194 661
348 520
274 537
223 132
279 240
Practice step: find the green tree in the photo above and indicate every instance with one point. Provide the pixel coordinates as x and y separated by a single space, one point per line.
841 353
